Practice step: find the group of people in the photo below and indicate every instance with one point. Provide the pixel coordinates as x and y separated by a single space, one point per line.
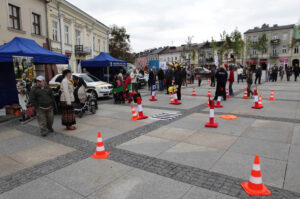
274 71
42 99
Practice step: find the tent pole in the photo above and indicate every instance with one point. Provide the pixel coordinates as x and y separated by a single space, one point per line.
108 74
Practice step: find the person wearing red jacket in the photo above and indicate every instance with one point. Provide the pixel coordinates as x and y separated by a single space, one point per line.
126 84
231 80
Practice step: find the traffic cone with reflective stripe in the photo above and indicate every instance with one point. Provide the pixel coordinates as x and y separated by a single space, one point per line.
207 105
256 106
260 102
208 80
209 92
255 186
100 150
134 114
140 108
218 105
194 92
176 102
171 98
153 96
245 94
211 123
272 96
227 93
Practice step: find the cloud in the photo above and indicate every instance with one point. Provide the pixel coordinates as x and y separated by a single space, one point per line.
154 23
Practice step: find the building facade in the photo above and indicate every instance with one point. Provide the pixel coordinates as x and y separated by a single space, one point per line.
296 45
28 20
75 33
279 42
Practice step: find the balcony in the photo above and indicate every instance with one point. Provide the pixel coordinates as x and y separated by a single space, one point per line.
275 41
253 56
273 55
82 50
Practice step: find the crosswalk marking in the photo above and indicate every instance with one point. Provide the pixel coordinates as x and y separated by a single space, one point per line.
165 116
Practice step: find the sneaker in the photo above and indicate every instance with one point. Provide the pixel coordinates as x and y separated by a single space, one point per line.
51 130
43 133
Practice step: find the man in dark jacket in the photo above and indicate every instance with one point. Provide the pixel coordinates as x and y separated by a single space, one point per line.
212 77
169 77
258 74
178 81
42 99
161 77
221 76
296 71
152 78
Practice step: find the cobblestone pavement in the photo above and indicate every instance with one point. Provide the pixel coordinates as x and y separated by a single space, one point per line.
207 179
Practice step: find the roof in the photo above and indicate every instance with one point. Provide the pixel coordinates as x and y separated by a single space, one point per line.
158 50
29 48
103 60
272 28
173 49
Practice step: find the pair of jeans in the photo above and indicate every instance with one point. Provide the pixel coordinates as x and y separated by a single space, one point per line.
161 85
240 77
230 88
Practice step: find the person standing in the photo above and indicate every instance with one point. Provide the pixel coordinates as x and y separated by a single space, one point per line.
134 80
289 72
42 99
120 75
274 73
240 74
231 80
161 77
169 77
212 77
67 99
152 79
184 76
258 74
281 72
296 71
249 82
221 76
178 81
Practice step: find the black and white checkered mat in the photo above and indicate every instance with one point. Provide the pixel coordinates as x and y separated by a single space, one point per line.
165 116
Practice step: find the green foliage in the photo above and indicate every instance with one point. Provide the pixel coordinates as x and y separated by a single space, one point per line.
262 43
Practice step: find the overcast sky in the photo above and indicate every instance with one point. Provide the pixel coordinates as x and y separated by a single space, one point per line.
154 23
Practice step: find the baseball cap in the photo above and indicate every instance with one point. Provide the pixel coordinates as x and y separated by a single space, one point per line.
40 78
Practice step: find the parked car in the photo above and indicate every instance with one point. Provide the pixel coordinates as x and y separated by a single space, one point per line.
94 86
202 71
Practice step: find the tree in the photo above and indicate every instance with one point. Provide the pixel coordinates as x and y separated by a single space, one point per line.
119 43
262 43
187 52
237 43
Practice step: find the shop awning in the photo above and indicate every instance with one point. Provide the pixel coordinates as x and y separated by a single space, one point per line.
29 48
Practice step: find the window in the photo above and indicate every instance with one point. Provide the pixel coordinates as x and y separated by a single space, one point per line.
254 38
104 46
67 40
253 51
36 24
284 36
14 17
274 51
94 44
78 37
99 43
284 50
296 49
54 31
275 36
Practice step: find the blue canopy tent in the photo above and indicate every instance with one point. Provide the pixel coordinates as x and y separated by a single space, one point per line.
21 47
103 60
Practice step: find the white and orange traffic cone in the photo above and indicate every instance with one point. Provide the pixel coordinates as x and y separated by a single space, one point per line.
245 94
176 102
100 150
211 123
153 96
208 80
207 105
255 186
209 92
194 92
227 93
218 105
140 107
171 99
260 102
134 114
272 98
256 106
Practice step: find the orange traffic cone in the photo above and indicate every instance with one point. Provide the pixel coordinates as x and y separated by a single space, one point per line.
272 96
209 92
260 102
140 108
211 123
218 105
245 94
227 93
100 150
134 114
194 92
208 80
255 186
207 105
176 102
153 96
256 106
172 99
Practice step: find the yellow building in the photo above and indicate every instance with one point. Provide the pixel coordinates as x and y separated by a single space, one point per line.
75 33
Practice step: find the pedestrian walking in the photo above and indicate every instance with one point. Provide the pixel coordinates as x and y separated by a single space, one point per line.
240 74
188 76
249 82
296 71
231 80
152 79
67 99
169 76
198 76
212 77
178 81
281 72
134 80
161 77
274 73
221 76
258 74
184 82
289 72
42 99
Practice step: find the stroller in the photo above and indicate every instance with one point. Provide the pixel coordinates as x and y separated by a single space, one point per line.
89 105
